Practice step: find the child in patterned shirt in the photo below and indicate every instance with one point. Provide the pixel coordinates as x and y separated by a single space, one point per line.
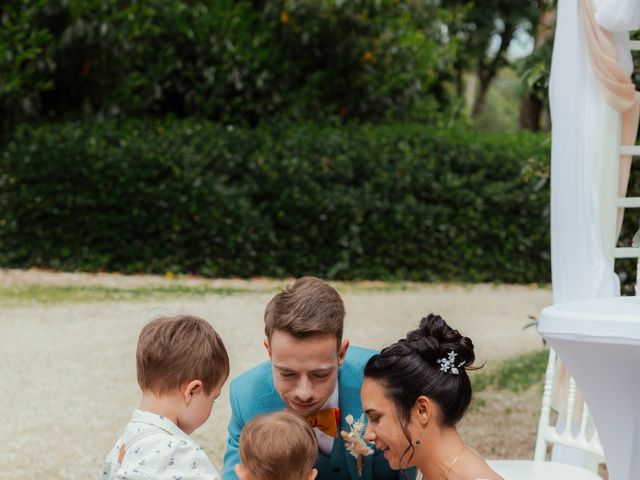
181 367
279 445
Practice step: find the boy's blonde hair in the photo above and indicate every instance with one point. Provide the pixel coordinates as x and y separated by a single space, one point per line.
278 445
173 351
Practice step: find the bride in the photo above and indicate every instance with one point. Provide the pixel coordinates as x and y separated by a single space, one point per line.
414 393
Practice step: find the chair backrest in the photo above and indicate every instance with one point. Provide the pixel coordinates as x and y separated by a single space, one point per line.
564 418
610 223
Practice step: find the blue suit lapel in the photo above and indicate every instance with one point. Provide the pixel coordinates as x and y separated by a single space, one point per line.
349 400
270 400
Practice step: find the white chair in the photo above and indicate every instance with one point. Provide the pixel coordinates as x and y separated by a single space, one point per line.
572 427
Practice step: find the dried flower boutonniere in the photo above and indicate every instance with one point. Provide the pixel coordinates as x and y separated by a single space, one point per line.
354 441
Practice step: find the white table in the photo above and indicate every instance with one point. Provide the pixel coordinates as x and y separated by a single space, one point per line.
538 470
599 342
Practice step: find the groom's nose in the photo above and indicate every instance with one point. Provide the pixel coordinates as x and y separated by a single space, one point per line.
304 390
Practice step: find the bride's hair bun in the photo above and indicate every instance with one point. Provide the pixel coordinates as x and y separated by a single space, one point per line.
432 361
434 339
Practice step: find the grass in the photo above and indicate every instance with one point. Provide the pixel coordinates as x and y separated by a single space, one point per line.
50 294
53 294
516 374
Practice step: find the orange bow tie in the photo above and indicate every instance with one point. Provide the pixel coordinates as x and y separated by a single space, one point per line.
326 421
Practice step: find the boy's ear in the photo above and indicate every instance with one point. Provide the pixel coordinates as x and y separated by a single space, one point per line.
191 389
241 472
313 474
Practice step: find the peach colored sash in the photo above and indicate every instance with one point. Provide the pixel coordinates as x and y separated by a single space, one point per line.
617 88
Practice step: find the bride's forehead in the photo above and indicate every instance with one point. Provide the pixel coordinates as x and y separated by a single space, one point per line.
373 391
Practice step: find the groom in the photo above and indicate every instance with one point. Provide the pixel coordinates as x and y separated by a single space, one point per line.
311 371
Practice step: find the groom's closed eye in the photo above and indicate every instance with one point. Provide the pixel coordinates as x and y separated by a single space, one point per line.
286 373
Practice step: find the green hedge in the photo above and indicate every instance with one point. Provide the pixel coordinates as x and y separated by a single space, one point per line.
389 202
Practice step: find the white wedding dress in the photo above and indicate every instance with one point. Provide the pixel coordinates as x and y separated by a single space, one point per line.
419 476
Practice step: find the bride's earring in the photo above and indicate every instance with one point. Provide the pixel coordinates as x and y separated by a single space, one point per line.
421 412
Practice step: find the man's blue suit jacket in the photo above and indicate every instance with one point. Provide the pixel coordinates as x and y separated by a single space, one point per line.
253 393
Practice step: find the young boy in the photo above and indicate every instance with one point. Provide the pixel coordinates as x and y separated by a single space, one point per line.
181 366
278 445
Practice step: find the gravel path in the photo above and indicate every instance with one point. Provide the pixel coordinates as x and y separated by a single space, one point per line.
68 377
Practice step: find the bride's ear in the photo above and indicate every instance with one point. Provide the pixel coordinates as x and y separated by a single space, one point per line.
313 474
425 409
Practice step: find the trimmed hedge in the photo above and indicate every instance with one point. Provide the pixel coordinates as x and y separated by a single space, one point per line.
387 202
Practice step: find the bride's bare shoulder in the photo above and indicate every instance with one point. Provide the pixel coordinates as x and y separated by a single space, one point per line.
476 468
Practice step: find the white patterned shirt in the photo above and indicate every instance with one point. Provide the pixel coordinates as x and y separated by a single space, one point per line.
153 447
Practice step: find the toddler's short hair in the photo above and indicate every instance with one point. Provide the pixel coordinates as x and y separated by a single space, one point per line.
175 350
278 445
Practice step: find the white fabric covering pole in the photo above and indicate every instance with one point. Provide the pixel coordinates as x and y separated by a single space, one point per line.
584 156
584 160
585 133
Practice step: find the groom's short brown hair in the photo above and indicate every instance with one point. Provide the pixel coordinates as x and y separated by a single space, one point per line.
307 308
173 351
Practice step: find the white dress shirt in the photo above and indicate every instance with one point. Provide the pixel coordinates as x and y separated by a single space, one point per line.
325 442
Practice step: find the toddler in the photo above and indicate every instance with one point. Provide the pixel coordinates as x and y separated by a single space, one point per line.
181 367
280 445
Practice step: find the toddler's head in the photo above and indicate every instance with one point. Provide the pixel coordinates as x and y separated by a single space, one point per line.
181 366
278 445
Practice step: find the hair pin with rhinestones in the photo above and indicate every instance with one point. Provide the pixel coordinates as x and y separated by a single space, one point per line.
447 364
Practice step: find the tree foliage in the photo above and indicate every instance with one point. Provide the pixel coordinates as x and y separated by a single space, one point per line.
23 43
233 61
485 30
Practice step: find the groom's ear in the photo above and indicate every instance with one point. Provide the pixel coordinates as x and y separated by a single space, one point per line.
342 352
313 474
267 346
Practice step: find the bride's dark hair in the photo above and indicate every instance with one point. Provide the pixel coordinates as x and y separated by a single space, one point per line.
410 368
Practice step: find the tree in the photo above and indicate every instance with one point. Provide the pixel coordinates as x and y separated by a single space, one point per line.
535 69
486 30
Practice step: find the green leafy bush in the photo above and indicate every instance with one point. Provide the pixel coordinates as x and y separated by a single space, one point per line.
397 201
231 61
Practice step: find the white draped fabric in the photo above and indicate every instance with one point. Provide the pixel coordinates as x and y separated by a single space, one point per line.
618 15
585 168
584 163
